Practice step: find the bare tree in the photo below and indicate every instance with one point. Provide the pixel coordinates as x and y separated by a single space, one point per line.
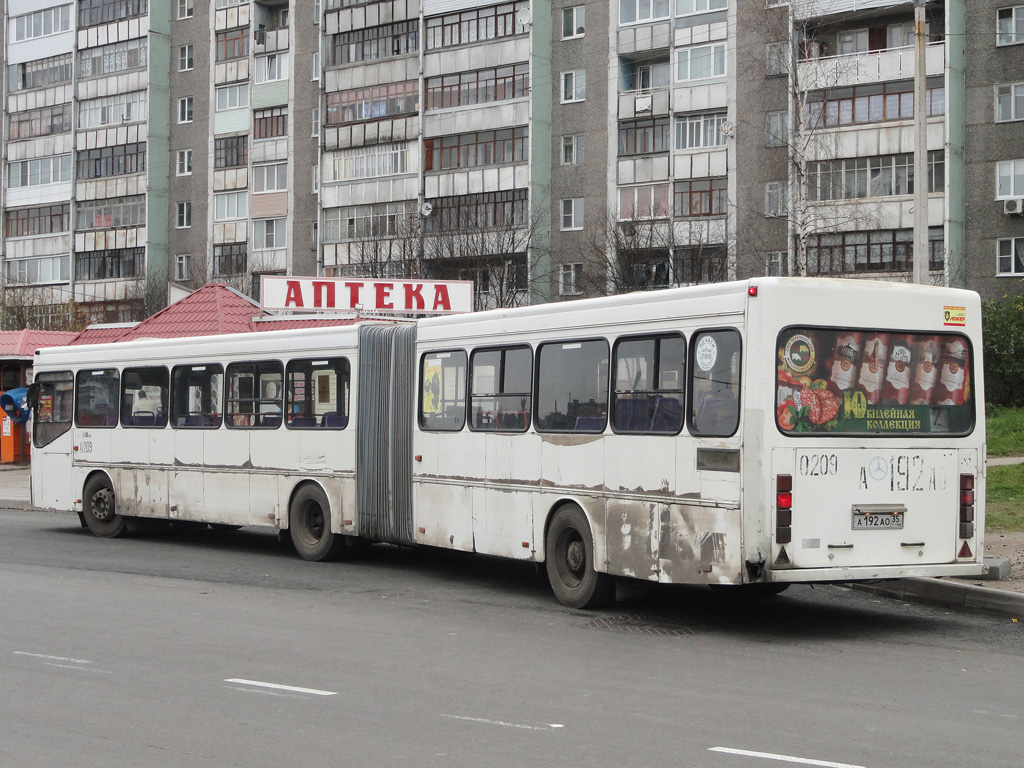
40 307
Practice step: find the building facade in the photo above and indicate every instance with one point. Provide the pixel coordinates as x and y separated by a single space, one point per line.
545 149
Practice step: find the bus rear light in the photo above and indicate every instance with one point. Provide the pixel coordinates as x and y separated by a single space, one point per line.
752 290
965 551
783 509
966 506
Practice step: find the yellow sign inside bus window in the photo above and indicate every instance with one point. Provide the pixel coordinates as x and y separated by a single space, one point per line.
955 316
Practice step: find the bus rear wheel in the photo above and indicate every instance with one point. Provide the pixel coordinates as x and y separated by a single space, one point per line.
99 508
310 526
569 555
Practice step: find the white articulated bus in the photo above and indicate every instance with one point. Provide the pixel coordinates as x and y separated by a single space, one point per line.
750 434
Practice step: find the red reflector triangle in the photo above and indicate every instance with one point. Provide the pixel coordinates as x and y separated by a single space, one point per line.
965 551
783 558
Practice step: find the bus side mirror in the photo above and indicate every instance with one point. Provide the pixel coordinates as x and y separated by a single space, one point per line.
33 393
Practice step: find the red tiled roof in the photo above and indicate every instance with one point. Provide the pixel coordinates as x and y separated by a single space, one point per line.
101 334
291 322
24 343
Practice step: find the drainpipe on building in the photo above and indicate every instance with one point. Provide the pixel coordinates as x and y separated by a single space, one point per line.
920 146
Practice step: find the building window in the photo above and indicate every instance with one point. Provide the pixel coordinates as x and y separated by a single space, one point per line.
574 86
182 267
701 197
41 73
776 129
186 59
315 175
700 62
477 25
642 77
230 259
480 86
571 280
231 152
695 131
483 211
1010 25
315 121
371 162
686 7
633 11
778 59
184 162
777 264
1009 102
861 177
574 21
38 271
269 233
873 103
270 178
271 68
642 137
116 57
376 101
316 66
232 97
94 12
185 9
119 109
111 212
886 250
775 203
475 150
270 123
359 221
39 171
117 160
230 205
233 44
184 215
371 43
572 149
46 121
1009 179
572 213
643 202
109 265
1010 256
49 21
185 109
38 220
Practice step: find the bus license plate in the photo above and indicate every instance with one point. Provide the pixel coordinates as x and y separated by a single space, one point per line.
890 518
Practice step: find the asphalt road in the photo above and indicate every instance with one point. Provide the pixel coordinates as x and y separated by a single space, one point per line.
223 649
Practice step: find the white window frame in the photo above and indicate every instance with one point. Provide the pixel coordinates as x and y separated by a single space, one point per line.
271 68
276 228
184 162
778 264
185 110
690 7
636 7
184 217
269 177
1011 95
775 203
576 15
570 276
717 52
1011 33
316 66
51 169
240 92
186 58
778 58
776 129
1009 171
41 23
186 9
709 125
230 206
315 180
574 82
571 214
315 120
1012 249
573 149
182 267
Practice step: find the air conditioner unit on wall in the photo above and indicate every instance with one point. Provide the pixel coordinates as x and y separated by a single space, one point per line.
1014 206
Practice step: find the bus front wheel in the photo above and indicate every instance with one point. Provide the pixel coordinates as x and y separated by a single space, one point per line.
310 526
569 555
99 508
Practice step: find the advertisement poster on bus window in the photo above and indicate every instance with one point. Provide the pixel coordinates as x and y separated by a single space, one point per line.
855 381
432 386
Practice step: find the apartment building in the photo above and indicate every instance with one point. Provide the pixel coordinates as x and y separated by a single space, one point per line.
545 149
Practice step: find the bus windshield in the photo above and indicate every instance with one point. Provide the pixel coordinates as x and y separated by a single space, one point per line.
848 381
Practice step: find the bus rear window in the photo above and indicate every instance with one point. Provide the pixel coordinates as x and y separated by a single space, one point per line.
862 381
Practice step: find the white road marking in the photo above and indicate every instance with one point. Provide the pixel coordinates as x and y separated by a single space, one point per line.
278 687
783 758
504 724
77 669
51 658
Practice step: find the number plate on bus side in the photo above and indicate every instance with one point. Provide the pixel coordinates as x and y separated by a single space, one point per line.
878 516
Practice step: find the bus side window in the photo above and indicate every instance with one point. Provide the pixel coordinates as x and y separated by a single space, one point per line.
649 382
52 416
443 391
196 396
715 383
96 398
317 393
254 395
572 386
500 384
144 397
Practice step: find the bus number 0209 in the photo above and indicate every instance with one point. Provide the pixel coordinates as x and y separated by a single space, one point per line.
819 464
85 446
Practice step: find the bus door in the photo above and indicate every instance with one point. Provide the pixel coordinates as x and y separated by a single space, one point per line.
52 437
870 467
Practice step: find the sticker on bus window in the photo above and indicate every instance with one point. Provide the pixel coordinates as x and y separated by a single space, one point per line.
954 316
706 353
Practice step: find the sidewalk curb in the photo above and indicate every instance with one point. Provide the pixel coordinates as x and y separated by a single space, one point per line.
946 594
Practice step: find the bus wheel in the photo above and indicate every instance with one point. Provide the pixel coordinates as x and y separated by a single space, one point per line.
98 508
569 553
310 526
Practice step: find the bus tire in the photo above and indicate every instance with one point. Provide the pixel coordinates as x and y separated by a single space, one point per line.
309 524
569 556
99 508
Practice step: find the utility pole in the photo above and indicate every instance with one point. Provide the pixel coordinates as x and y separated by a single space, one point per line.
920 146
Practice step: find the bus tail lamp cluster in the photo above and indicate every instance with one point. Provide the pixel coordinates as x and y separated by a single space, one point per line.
966 513
783 509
